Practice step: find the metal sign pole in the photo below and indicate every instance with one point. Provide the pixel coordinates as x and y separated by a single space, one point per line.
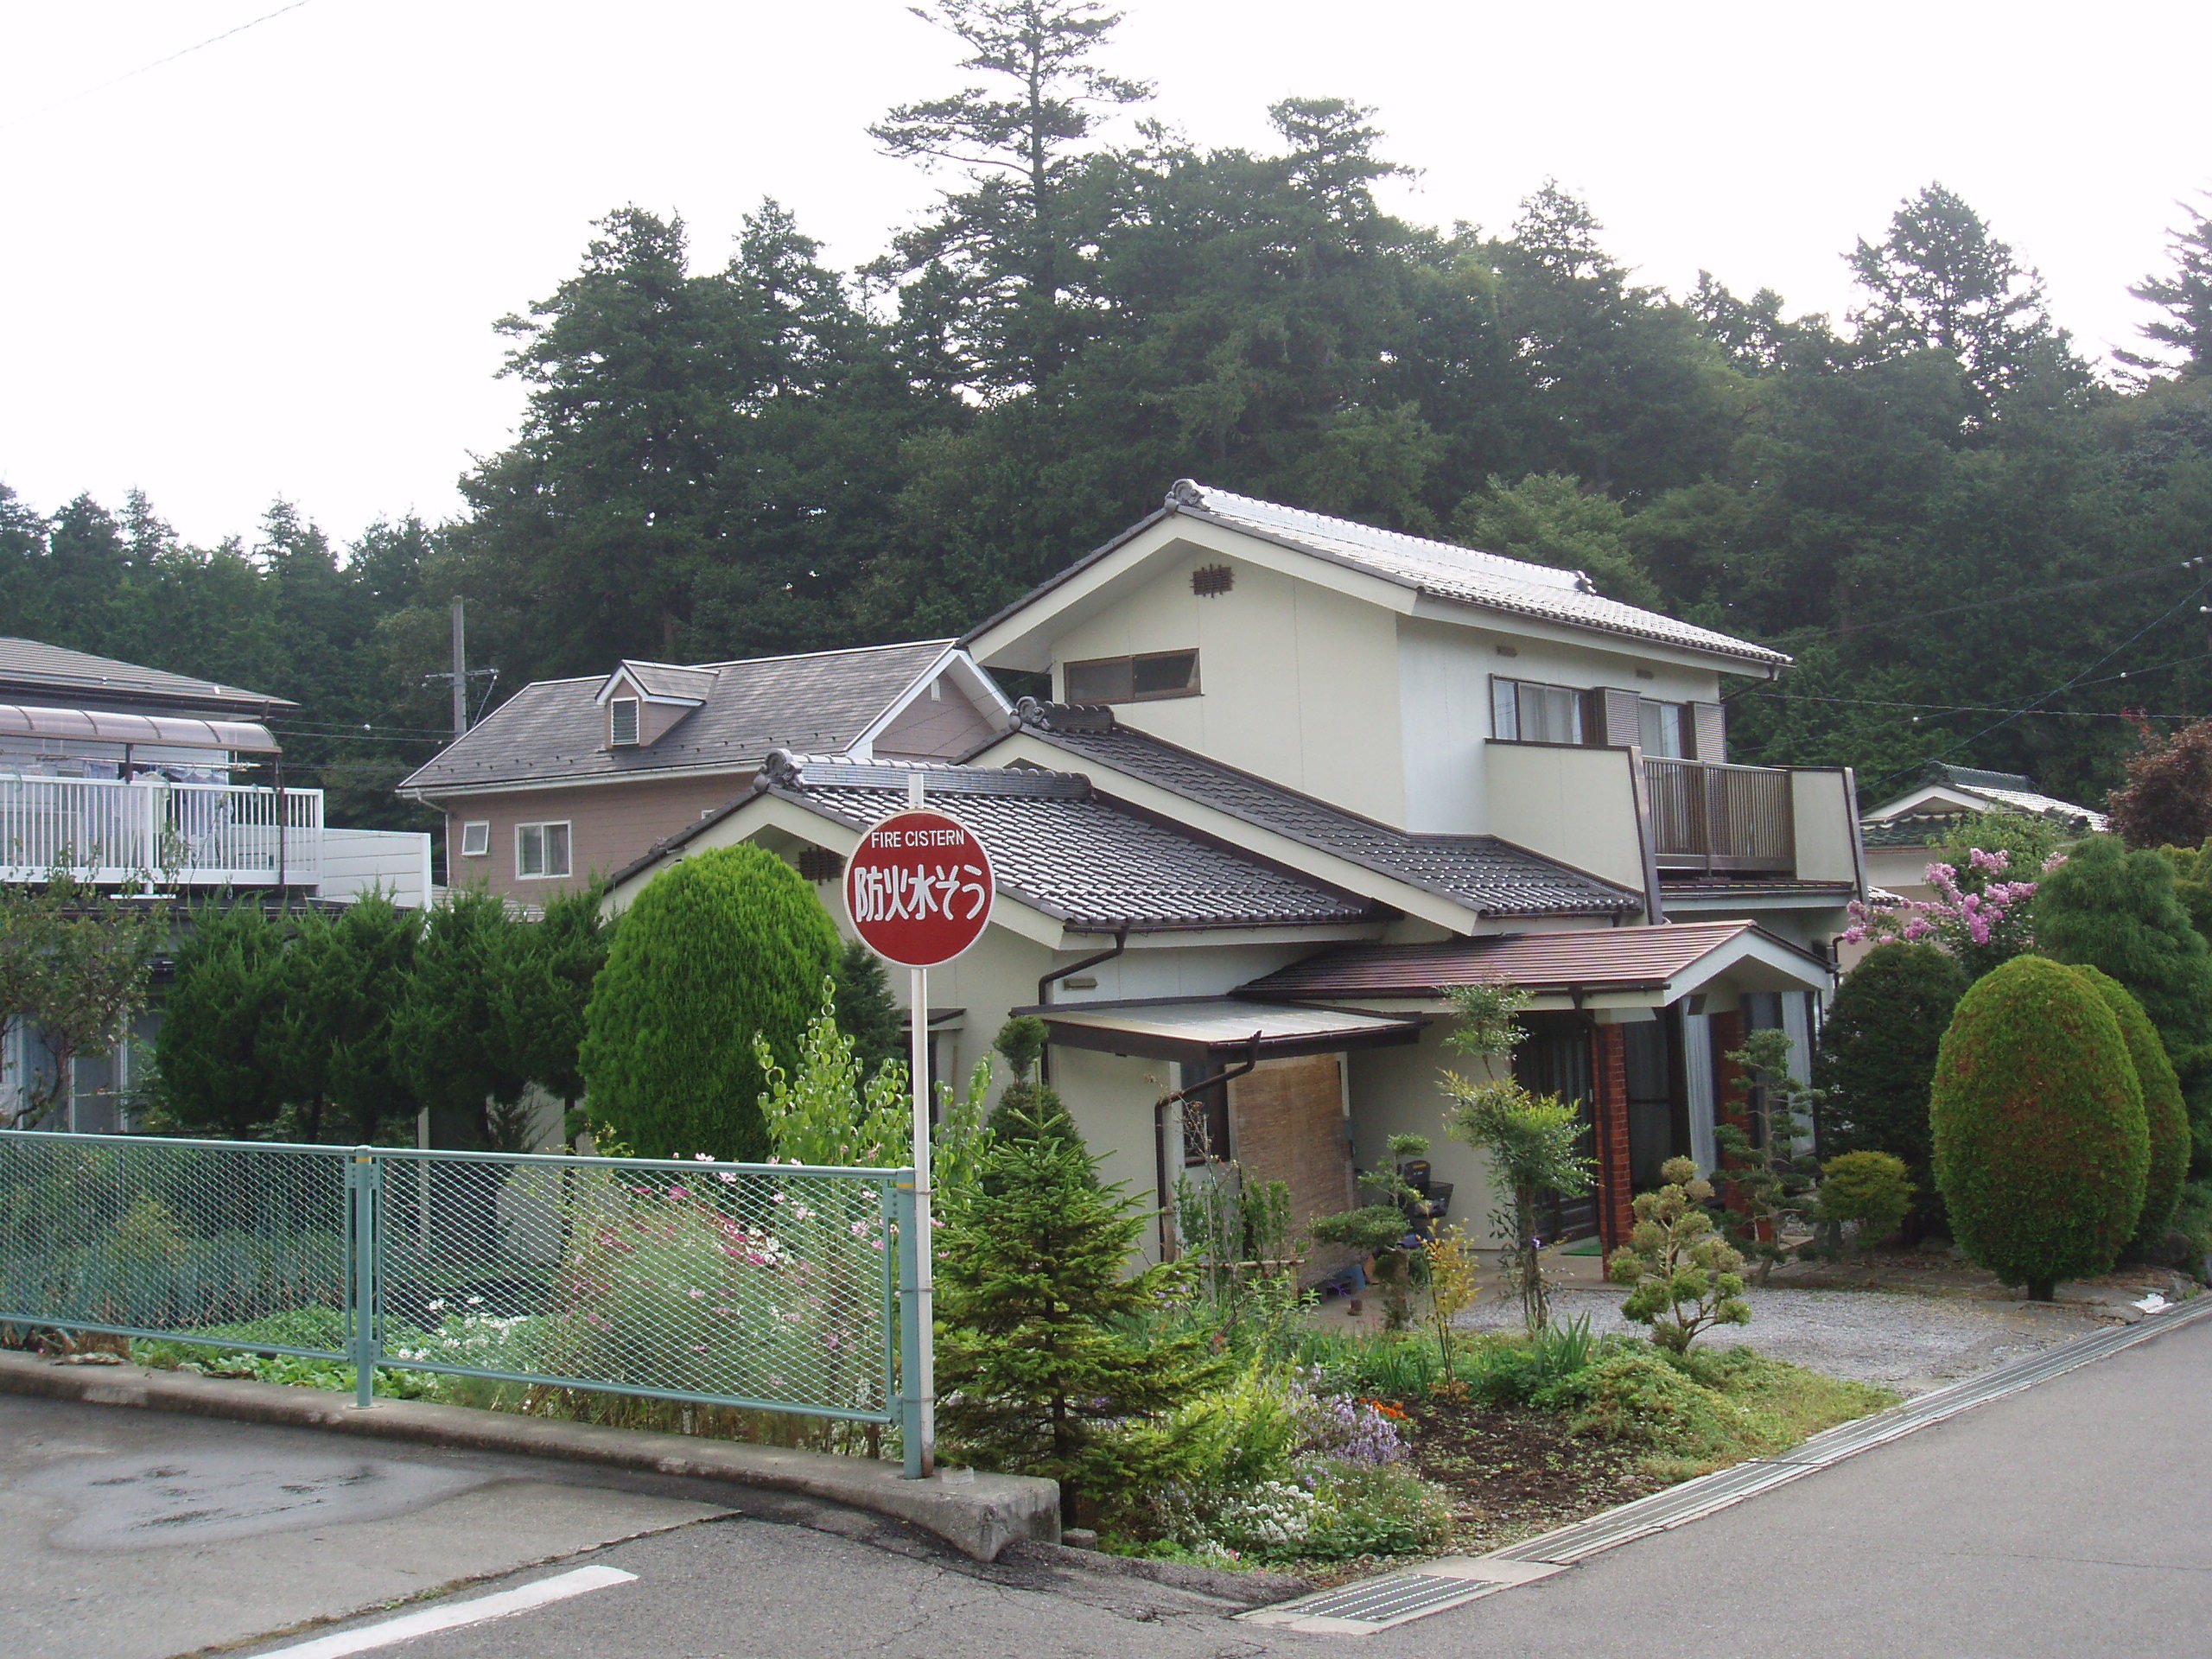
925 1385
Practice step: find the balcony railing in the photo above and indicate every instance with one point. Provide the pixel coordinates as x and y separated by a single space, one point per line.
197 835
1717 819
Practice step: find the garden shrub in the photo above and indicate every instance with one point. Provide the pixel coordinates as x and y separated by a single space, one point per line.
2118 911
1764 1155
1871 1188
2041 1144
2165 1114
1683 1276
1875 1062
1637 1396
722 945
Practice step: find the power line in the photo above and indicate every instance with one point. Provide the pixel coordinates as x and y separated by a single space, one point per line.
148 68
1990 708
1980 604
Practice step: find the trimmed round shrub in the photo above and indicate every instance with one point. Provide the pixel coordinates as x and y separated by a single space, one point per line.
721 946
2165 1114
1877 1057
2042 1146
1871 1188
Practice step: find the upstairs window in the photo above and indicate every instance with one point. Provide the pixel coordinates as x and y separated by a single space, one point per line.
1133 679
1665 730
622 723
541 850
475 839
1524 711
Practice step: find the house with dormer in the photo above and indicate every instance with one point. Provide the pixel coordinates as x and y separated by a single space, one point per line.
572 778
1299 776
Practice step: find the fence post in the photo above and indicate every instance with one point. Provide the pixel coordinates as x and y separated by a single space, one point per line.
365 1182
910 1381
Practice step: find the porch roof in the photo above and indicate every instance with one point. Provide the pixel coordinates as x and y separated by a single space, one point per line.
1200 1028
1651 958
112 726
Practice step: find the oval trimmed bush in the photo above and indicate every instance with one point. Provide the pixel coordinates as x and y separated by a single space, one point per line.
2042 1147
2166 1113
719 947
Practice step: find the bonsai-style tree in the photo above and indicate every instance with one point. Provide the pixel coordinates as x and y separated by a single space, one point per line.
1385 1230
2164 1115
723 945
2042 1146
1683 1276
1876 1061
1766 1157
1039 1368
1871 1188
2117 910
1533 1140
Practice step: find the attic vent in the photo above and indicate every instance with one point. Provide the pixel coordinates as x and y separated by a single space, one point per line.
622 723
1210 579
820 864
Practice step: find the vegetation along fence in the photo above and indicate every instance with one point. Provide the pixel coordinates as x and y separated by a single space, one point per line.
770 1286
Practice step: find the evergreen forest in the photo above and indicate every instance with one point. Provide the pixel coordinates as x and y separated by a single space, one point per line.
1980 543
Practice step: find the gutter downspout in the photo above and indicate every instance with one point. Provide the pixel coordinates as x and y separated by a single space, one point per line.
1045 981
1171 1247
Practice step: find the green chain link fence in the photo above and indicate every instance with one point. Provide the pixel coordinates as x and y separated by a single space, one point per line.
770 1286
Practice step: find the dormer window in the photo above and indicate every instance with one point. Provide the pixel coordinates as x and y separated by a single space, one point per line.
622 723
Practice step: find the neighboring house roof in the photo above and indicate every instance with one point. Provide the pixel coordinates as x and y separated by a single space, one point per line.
554 731
1440 569
35 672
1059 846
1216 1029
1597 959
670 680
1489 876
1946 792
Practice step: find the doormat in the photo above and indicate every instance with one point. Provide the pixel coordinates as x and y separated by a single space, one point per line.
1583 1247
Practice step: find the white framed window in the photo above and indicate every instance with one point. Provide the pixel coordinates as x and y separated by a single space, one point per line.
476 839
541 850
622 723
1524 711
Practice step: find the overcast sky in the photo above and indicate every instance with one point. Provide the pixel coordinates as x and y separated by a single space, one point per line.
270 267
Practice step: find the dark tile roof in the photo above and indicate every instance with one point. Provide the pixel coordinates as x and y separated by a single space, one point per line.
1975 778
1605 959
1916 830
670 679
554 731
1062 847
1489 876
33 671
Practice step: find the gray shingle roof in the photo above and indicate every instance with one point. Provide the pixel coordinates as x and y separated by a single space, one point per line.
671 679
1489 876
554 731
1489 579
1061 847
31 670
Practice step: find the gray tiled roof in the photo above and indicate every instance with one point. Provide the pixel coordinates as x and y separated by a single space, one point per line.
671 679
1061 847
32 670
554 731
1489 876
1489 579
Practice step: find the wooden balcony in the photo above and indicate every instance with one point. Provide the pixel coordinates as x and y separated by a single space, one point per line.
1708 818
115 833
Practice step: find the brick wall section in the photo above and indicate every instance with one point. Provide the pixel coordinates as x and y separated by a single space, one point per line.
1609 1068
1287 1122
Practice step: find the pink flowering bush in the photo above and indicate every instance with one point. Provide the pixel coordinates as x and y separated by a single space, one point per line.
1978 914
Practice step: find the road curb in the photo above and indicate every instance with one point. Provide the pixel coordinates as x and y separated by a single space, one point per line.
977 1514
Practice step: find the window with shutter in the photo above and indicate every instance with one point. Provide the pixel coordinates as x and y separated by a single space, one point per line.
1710 722
622 723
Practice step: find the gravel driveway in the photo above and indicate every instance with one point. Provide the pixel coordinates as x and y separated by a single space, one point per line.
1908 1343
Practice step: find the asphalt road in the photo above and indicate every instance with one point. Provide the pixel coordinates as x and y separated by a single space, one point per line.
2073 1519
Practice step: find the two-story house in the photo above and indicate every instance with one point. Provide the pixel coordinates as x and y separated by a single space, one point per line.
1473 767
126 775
572 778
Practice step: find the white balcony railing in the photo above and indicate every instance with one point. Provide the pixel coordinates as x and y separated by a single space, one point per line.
195 834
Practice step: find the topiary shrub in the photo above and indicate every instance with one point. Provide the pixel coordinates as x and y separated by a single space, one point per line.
722 945
1871 1188
1876 1056
2165 1114
2042 1146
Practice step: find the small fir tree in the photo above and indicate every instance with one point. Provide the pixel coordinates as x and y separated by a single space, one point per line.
1028 1105
2115 910
1765 1154
866 1013
1039 1369
2164 1115
1876 1061
1682 1275
2042 1145
721 946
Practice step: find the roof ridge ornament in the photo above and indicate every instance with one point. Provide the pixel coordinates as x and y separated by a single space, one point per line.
1185 493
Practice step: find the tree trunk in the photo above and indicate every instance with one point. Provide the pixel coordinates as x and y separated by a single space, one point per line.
2042 1290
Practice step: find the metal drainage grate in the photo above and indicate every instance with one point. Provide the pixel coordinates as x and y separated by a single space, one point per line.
1385 1601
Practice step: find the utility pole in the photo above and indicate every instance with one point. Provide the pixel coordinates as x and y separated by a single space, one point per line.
460 666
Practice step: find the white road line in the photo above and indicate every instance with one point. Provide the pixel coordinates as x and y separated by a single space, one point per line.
455 1614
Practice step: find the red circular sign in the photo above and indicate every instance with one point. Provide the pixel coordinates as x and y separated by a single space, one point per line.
919 888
